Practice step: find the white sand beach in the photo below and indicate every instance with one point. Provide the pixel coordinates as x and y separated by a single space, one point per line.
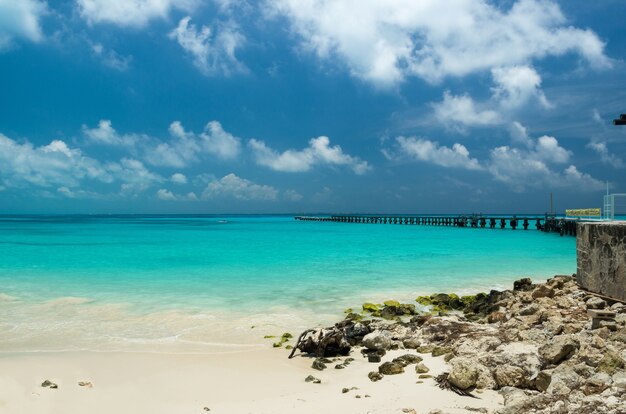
257 381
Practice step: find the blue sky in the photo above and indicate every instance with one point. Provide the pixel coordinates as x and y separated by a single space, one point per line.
212 106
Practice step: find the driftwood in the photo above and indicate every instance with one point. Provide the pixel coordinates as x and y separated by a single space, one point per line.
444 383
324 342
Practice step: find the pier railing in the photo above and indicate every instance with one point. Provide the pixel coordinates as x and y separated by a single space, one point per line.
549 224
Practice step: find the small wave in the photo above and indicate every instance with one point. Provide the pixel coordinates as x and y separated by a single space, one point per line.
7 298
69 300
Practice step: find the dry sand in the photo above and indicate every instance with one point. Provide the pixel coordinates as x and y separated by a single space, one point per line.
253 381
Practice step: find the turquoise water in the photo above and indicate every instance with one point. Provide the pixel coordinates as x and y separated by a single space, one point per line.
110 281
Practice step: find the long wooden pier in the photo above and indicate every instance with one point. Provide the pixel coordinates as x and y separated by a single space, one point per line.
548 224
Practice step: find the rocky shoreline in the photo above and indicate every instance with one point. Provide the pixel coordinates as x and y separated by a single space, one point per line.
534 344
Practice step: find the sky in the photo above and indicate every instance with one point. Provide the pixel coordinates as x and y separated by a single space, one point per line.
304 106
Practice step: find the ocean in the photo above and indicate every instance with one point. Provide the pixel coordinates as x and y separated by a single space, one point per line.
216 284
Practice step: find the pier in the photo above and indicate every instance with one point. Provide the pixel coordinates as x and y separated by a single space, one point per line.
548 224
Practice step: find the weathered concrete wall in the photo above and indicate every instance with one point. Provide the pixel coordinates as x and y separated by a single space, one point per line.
601 258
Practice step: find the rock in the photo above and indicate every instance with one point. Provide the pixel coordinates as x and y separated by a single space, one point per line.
408 359
358 330
424 376
510 376
610 363
345 390
530 309
393 303
85 384
373 358
421 368
463 373
619 380
411 342
561 347
312 379
370 307
420 319
388 313
391 368
409 411
425 349
376 340
406 309
375 376
524 284
542 291
595 302
543 379
441 350
340 366
495 317
597 383
49 384
563 382
318 365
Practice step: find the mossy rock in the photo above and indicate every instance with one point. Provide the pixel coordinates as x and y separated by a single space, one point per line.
440 298
425 349
277 344
289 347
441 350
287 335
468 300
348 310
370 307
440 308
354 317
424 300
377 314
610 363
392 302
269 336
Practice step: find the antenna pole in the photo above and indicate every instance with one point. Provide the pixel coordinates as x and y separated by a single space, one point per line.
551 209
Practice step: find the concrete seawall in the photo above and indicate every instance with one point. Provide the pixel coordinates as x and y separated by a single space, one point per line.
601 258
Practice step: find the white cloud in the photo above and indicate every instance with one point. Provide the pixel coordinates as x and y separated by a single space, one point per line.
178 178
548 148
213 51
54 164
522 169
607 157
167 195
105 134
219 142
292 195
458 111
135 13
319 152
110 57
429 151
185 148
240 189
383 41
514 87
20 19
517 85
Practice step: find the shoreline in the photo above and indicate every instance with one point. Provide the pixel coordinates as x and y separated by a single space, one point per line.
498 339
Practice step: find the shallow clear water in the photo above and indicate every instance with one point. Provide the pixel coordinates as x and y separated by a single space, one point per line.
117 282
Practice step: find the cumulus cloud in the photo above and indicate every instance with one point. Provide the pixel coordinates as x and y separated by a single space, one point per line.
105 134
212 51
457 111
184 149
166 195
517 85
178 178
383 42
232 186
131 13
292 195
522 169
319 152
607 157
20 19
424 150
54 164
514 87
